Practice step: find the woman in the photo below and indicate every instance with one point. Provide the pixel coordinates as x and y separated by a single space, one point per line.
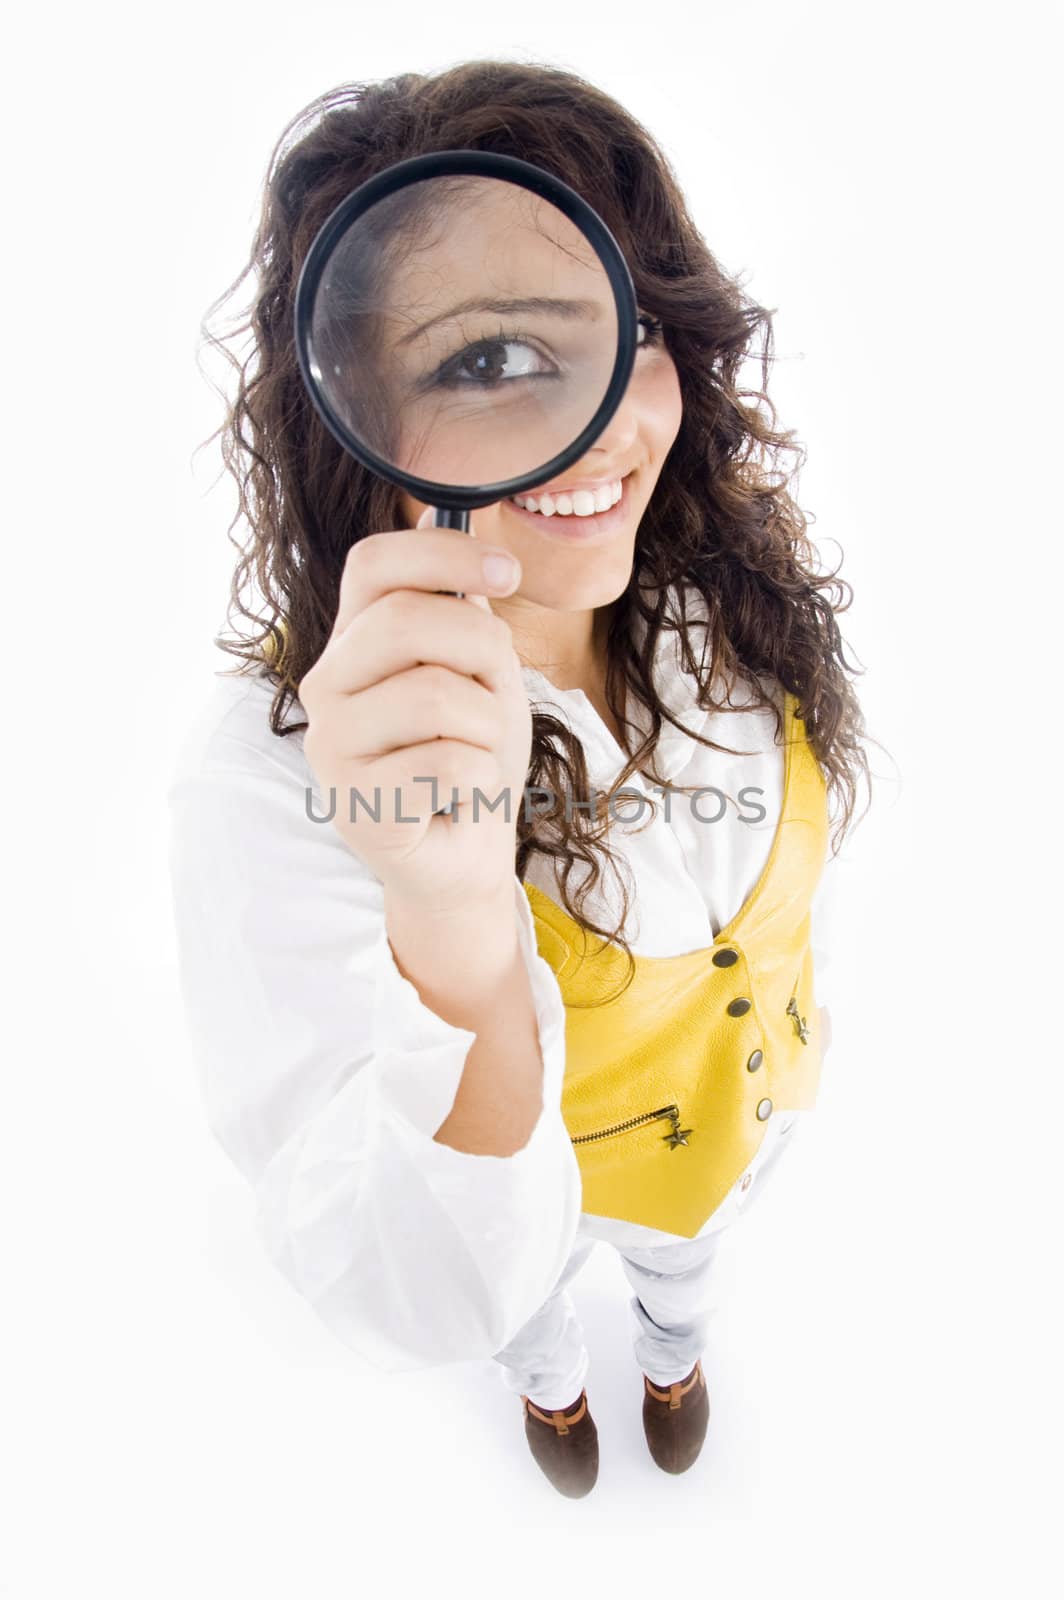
453 1052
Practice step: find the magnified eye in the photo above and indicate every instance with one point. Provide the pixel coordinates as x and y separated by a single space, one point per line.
491 362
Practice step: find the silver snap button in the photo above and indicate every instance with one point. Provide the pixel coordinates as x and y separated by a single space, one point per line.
764 1110
739 1008
755 1061
725 958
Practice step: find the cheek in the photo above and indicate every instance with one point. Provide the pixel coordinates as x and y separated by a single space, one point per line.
660 404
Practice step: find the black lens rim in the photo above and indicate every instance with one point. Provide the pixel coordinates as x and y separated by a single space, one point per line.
470 163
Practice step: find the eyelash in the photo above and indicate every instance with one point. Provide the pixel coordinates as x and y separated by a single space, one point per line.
654 330
443 375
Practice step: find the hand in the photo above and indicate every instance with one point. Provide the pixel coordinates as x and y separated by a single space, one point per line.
416 684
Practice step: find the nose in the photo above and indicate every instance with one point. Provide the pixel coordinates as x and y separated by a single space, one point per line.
618 438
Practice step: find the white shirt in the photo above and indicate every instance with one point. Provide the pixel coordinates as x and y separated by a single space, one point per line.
324 1075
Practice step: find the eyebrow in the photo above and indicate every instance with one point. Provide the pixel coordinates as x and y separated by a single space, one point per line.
561 308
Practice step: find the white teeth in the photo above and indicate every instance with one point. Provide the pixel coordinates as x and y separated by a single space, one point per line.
580 503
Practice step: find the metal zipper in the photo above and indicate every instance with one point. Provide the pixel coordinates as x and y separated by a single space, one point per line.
801 1027
675 1137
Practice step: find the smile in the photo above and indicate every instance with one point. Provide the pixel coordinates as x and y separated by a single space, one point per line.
568 517
574 503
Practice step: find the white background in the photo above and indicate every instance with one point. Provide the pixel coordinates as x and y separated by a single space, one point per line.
884 1372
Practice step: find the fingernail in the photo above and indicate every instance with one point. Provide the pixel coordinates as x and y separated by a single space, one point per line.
500 572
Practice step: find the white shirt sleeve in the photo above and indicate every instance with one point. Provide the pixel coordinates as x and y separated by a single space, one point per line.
324 1076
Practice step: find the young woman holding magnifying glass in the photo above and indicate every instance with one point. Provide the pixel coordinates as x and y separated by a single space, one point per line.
451 1053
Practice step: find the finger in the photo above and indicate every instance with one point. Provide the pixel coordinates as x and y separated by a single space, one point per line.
418 781
478 600
431 559
406 629
427 520
423 704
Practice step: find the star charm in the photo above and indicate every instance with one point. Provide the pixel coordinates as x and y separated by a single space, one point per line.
677 1136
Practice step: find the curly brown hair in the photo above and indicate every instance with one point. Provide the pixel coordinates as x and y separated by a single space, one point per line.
721 517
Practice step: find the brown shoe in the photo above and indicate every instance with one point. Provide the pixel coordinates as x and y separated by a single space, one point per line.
675 1420
565 1445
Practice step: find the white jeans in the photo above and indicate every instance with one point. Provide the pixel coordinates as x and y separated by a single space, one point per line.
548 1359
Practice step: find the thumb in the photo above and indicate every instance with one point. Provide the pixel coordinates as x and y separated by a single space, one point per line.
480 600
426 520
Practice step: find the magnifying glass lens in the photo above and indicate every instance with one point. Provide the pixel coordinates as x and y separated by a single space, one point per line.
464 330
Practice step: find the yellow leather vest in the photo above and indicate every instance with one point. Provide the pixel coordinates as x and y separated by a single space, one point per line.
669 1085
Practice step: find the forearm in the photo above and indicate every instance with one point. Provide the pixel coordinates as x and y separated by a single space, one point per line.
470 971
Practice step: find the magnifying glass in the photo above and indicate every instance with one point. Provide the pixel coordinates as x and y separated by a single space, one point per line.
466 327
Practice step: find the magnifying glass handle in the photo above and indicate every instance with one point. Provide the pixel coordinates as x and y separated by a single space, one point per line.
444 517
